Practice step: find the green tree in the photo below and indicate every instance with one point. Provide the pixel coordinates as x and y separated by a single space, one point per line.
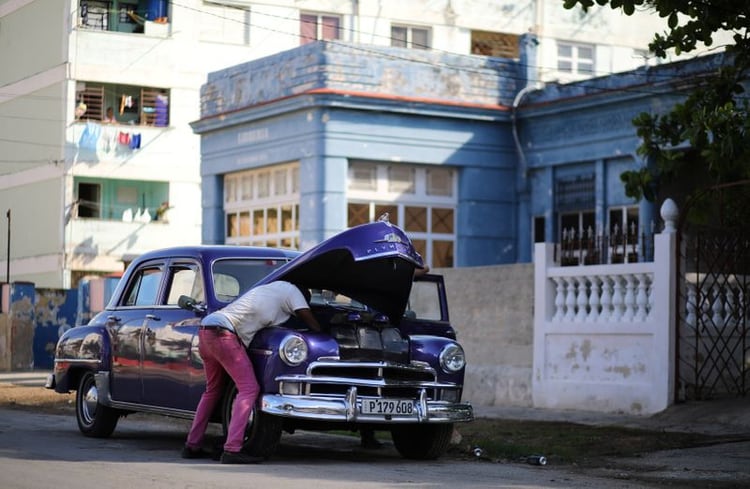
708 133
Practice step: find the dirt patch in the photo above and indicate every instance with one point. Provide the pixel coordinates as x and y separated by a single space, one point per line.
564 443
46 400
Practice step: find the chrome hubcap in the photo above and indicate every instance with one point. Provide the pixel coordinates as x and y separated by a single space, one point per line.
89 403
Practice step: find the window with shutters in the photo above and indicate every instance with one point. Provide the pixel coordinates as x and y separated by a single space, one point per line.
497 44
114 15
418 198
130 104
404 36
316 27
262 207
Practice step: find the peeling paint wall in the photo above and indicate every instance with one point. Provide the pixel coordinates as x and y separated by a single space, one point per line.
54 313
20 327
31 324
604 336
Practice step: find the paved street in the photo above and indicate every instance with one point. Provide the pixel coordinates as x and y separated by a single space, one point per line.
45 450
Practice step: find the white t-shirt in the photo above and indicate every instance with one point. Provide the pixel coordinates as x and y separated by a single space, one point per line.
265 305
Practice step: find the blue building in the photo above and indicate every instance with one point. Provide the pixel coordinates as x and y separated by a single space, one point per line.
465 153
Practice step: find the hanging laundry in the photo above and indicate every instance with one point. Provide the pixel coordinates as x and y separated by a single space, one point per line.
90 136
109 139
135 141
124 138
126 102
162 110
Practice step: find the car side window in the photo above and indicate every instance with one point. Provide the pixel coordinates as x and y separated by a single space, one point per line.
424 302
184 280
144 287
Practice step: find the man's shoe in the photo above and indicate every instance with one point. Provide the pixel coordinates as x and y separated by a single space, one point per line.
188 452
239 458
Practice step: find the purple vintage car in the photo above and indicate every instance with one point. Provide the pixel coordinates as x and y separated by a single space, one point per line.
386 359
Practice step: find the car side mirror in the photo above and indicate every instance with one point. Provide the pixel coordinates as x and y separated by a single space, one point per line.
188 303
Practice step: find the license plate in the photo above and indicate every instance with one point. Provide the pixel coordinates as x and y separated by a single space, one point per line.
388 407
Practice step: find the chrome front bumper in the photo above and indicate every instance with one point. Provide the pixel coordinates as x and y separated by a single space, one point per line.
349 409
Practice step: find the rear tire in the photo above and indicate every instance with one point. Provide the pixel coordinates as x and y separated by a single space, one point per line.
422 442
263 432
94 419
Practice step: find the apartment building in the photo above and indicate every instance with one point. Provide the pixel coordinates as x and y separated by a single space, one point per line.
99 162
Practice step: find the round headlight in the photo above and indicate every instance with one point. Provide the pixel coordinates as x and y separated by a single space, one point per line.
452 358
293 350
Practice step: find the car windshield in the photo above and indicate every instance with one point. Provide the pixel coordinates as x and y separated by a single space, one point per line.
324 297
424 301
232 277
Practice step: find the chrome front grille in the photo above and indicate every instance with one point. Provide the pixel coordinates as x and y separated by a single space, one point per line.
372 379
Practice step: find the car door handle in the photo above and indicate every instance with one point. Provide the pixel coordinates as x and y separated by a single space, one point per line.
153 317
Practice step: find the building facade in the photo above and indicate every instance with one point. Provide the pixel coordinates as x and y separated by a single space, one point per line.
443 144
84 188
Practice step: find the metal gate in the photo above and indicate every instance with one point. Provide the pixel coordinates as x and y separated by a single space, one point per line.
713 300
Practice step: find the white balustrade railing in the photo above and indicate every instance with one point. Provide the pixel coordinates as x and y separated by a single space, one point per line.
606 293
604 335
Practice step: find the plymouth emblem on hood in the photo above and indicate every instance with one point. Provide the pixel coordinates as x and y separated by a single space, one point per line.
390 238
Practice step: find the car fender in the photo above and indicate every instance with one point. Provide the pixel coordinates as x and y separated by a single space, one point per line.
264 352
80 349
427 349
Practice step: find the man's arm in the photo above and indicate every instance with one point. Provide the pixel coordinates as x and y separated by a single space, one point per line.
418 272
307 317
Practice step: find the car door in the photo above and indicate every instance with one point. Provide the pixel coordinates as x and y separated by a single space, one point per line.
170 335
127 324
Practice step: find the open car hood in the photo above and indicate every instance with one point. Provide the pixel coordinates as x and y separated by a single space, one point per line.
372 263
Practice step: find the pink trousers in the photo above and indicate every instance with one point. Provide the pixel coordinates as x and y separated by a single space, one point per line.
222 351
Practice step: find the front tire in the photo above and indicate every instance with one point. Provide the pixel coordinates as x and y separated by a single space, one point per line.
94 419
422 442
263 432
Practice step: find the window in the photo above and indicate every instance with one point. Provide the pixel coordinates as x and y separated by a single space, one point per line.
90 102
223 23
363 177
419 199
144 287
401 179
262 207
89 200
624 234
231 277
131 104
539 229
440 182
575 193
94 15
410 37
314 27
578 237
623 220
114 15
576 225
495 44
185 280
575 58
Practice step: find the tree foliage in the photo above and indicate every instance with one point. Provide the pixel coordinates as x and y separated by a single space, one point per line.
708 133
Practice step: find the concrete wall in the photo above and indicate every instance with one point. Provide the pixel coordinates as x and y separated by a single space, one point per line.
492 311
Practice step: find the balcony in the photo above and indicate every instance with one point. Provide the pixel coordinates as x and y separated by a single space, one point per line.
101 245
